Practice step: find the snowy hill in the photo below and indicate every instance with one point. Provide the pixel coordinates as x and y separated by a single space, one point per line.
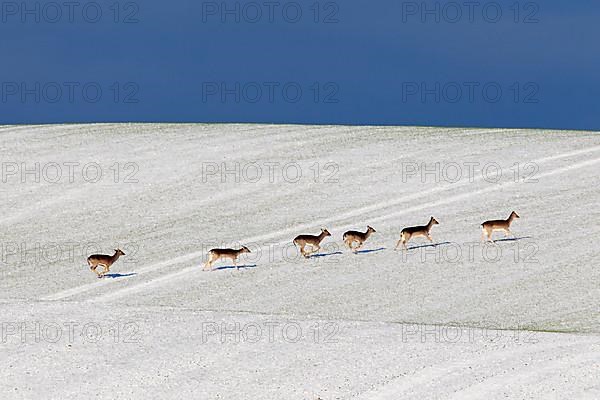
517 318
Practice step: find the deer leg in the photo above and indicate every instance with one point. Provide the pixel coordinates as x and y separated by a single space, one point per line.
303 252
235 264
430 239
93 268
404 238
507 232
486 235
101 274
313 249
350 244
209 263
317 249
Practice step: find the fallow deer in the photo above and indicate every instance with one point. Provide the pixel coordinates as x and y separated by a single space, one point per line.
313 241
351 237
415 231
103 260
216 254
488 227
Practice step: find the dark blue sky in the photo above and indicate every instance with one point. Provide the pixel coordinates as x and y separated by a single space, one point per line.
341 62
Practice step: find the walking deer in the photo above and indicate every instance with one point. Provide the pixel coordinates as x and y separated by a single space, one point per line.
309 240
216 254
415 231
103 260
351 237
488 227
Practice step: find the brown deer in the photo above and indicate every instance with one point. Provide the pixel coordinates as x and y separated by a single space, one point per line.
216 254
351 237
488 227
103 260
415 231
313 241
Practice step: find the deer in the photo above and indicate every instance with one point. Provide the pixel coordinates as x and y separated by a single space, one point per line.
216 254
103 260
313 241
488 227
415 231
351 237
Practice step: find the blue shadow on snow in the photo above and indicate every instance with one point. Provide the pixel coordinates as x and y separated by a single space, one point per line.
428 245
233 267
325 254
115 276
369 251
513 239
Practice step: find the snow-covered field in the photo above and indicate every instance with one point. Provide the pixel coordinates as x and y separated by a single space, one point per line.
518 318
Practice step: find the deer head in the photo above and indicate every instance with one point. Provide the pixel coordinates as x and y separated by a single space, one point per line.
325 232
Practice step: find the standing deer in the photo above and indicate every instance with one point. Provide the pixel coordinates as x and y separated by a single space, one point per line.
488 227
313 241
216 254
355 236
103 260
415 231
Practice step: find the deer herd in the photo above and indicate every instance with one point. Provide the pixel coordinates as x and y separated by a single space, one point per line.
354 240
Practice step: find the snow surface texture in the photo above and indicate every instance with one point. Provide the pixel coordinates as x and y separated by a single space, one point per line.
518 318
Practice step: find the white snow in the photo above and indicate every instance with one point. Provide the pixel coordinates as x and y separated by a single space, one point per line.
462 320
